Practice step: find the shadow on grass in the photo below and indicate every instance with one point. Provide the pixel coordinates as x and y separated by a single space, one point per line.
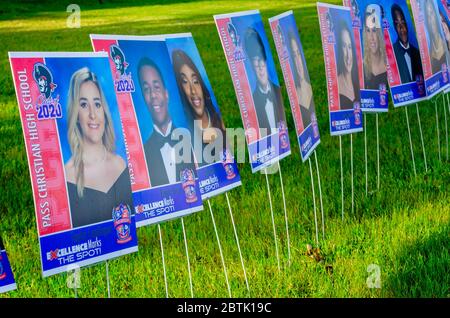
423 268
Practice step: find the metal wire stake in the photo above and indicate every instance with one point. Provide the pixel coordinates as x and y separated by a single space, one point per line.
285 216
437 130
163 261
342 177
410 141
187 257
365 151
351 165
220 249
237 242
107 279
273 221
314 202
421 138
378 153
320 196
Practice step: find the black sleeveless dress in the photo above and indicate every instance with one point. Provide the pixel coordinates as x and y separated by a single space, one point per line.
97 206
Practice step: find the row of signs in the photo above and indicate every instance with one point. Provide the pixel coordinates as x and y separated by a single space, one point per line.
103 130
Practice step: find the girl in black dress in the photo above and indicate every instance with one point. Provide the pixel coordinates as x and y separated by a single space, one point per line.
375 73
97 179
200 112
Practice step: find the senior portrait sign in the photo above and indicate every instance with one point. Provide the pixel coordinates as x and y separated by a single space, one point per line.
371 54
298 84
77 158
256 86
217 170
165 182
432 45
404 65
341 68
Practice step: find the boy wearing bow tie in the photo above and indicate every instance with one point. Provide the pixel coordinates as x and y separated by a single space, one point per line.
266 95
163 166
407 56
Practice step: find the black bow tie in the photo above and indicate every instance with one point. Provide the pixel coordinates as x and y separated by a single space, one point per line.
408 50
268 96
160 140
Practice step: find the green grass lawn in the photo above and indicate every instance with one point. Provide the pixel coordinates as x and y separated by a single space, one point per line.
404 228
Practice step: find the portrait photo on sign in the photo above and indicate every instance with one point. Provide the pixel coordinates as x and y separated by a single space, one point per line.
371 54
217 169
256 86
405 72
93 148
298 83
347 67
432 44
156 129
77 157
341 69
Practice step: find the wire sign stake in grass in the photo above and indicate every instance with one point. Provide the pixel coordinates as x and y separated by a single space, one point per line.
220 249
371 57
187 258
445 120
410 141
285 215
320 196
273 220
314 202
248 55
237 242
298 85
163 260
343 85
421 138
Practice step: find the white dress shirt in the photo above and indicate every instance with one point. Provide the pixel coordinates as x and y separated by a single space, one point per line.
407 59
269 107
168 155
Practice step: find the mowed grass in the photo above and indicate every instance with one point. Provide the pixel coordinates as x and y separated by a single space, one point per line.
404 227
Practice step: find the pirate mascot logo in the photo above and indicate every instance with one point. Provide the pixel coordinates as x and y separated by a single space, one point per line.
123 82
47 106
227 163
188 184
238 53
122 223
2 269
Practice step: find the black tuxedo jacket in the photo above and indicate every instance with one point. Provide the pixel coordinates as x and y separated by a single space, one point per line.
416 63
155 161
260 105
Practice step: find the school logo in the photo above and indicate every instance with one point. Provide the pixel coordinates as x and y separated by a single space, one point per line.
444 73
420 84
123 83
47 107
238 53
188 184
330 28
383 94
356 21
284 51
122 223
2 270
314 125
283 135
227 163
357 113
